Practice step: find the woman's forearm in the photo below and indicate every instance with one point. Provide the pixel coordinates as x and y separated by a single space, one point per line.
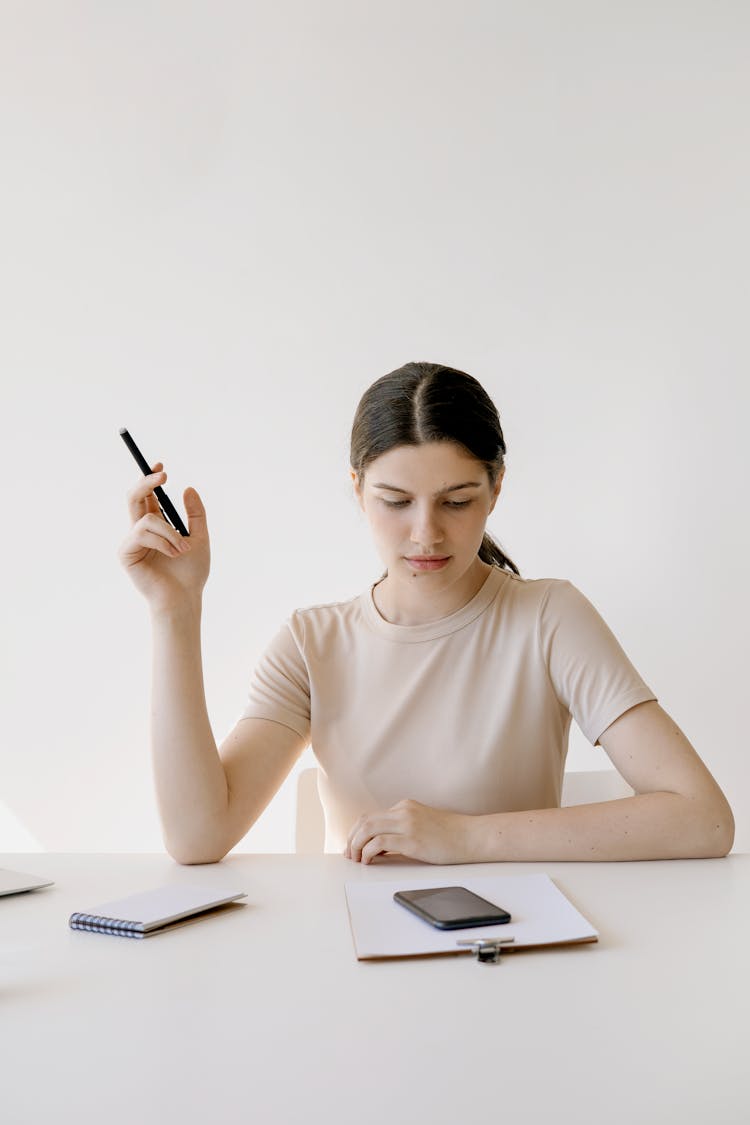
191 785
646 826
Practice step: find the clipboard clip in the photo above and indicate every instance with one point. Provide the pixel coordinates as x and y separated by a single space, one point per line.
486 950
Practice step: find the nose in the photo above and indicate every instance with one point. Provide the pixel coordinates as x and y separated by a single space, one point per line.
425 529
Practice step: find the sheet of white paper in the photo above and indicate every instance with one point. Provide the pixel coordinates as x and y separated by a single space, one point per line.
540 915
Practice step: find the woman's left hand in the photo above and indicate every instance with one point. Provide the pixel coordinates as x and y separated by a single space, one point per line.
413 830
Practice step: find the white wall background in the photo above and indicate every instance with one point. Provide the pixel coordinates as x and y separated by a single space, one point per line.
220 222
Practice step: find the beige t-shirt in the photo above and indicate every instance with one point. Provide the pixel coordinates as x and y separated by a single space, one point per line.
470 713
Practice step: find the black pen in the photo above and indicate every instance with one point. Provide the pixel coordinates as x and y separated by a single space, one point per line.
168 509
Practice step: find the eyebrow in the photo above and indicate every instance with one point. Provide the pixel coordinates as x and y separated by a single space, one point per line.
442 492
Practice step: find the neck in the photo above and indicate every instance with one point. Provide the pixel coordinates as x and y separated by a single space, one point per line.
412 601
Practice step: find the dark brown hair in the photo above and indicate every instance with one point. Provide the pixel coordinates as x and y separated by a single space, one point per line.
423 402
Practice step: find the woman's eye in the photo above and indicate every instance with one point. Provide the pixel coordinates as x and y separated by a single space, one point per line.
448 503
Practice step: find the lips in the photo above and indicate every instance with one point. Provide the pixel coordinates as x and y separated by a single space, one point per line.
427 562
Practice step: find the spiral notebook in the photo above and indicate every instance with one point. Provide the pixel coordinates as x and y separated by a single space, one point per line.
152 912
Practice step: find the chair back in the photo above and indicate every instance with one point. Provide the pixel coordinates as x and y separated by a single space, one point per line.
309 829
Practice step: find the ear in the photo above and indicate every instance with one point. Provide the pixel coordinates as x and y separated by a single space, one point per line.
496 490
356 484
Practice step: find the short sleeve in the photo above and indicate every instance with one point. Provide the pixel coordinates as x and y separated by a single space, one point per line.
590 673
280 685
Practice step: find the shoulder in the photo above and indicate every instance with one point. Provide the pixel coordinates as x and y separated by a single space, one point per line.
324 619
548 605
310 633
537 594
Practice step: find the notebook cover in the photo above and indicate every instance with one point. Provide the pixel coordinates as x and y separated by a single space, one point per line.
152 910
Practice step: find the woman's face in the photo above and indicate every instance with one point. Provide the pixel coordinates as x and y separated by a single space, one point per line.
427 506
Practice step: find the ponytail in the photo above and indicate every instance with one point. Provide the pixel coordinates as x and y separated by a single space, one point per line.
491 553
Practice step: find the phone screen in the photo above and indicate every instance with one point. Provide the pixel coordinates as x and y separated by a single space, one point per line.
452 908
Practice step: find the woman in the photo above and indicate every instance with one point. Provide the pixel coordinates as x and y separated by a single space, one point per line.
438 702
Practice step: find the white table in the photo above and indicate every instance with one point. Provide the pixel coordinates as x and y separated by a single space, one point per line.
264 1014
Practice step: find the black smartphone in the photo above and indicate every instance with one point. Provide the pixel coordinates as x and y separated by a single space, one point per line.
168 509
452 908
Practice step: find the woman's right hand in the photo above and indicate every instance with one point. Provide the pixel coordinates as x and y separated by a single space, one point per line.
168 569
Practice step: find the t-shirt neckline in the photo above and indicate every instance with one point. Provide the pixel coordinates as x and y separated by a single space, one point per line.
408 634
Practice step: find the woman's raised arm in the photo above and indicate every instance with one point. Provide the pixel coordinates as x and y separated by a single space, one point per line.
206 806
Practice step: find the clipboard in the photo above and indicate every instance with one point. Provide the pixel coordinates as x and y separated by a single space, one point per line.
540 913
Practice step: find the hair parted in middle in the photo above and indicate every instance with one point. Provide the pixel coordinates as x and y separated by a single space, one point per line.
425 402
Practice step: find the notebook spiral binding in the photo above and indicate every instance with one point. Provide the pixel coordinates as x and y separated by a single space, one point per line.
94 924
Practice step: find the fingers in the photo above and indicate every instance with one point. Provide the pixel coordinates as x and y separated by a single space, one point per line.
352 837
400 828
142 501
196 513
141 498
366 832
152 533
380 844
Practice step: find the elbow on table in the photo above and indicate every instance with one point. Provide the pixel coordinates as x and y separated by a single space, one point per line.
191 860
188 854
726 832
718 831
